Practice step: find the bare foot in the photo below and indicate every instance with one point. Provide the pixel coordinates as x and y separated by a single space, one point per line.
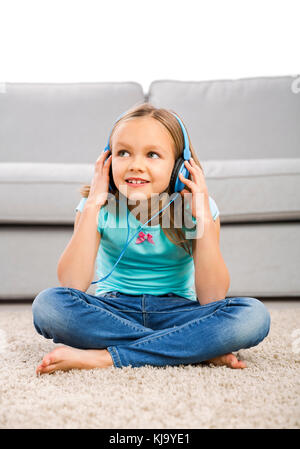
65 358
229 360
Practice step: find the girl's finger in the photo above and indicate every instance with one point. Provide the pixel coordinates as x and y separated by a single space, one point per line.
107 162
193 163
101 162
186 181
188 164
102 156
191 168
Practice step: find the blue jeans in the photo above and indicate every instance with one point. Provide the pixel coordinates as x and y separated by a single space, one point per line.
150 330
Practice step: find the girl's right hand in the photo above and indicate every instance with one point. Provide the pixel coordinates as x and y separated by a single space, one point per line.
100 182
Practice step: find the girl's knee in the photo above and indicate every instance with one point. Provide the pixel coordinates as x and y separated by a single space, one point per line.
260 317
46 307
253 321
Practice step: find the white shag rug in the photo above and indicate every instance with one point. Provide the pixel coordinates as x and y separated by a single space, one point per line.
264 395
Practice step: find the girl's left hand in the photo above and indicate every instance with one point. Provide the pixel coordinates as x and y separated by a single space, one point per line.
196 185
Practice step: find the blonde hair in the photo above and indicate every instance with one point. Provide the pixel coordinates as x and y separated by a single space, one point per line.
166 118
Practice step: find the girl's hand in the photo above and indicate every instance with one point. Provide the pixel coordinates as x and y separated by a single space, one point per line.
100 182
196 186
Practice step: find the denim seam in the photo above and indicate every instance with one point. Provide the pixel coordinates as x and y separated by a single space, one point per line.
115 356
203 306
106 296
117 318
177 329
152 311
131 311
169 311
137 296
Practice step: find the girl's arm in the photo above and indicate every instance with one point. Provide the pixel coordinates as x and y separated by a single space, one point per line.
76 265
212 279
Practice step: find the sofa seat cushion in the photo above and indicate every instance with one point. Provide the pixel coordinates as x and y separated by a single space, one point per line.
42 193
255 189
265 260
244 190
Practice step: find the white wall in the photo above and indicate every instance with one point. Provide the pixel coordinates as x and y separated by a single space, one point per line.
138 40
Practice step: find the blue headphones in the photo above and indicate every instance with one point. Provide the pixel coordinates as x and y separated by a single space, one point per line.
175 186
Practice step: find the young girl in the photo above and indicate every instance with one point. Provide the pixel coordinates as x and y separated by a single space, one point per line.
145 310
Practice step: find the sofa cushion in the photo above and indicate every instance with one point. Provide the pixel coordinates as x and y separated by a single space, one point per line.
244 190
255 189
249 118
62 122
41 192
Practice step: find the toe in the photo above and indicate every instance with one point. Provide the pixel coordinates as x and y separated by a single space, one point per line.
242 364
46 361
48 369
52 357
233 362
236 364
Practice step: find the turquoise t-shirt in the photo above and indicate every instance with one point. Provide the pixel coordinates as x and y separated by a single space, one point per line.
149 268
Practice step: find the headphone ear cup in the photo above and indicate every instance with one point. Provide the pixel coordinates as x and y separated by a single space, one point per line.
180 185
112 186
175 173
175 183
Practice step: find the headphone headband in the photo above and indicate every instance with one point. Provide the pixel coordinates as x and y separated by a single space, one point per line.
186 149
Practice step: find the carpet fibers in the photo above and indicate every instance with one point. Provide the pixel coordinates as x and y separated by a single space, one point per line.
264 395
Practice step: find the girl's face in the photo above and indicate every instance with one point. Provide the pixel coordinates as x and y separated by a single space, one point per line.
142 148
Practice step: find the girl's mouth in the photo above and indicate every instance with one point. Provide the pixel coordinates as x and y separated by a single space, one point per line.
137 184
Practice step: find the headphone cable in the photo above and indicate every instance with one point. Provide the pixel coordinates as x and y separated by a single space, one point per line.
127 243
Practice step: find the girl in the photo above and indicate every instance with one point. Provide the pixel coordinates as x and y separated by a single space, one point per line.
146 311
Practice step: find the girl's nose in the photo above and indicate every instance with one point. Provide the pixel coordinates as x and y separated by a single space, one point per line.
137 164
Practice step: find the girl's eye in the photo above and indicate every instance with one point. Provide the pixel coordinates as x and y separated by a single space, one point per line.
124 151
153 152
